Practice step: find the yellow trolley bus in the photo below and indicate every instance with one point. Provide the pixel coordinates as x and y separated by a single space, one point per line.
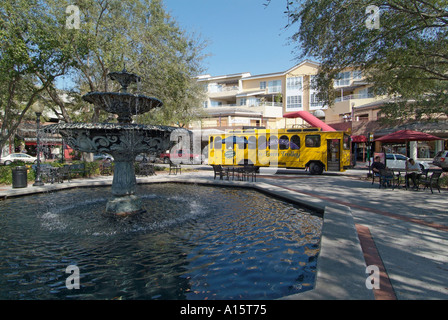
308 148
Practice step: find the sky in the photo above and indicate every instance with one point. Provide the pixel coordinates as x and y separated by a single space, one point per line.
242 35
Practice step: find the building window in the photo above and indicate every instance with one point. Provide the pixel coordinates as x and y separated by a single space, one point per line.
357 75
262 85
275 86
243 101
294 83
215 103
366 93
294 102
214 87
253 102
342 79
315 102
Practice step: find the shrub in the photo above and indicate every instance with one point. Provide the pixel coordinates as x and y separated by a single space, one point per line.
6 172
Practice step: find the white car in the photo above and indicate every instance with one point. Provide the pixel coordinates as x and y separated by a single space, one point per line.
441 160
18 157
398 161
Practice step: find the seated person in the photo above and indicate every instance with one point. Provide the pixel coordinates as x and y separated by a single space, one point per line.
377 165
412 171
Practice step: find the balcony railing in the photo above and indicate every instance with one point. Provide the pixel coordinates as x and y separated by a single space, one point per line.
354 96
223 89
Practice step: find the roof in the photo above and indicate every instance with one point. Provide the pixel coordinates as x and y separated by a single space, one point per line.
283 73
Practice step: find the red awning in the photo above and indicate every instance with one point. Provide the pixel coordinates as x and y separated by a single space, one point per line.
407 135
359 139
308 117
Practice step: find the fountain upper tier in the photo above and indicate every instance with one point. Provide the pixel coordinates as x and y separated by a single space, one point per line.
123 104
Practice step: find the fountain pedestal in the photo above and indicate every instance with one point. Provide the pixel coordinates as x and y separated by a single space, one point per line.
123 188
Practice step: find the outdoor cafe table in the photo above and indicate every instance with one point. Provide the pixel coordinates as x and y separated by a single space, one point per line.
234 171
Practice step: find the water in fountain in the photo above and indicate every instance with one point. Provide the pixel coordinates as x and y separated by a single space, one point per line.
123 140
196 242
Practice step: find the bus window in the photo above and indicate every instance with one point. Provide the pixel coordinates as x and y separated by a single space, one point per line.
273 142
261 142
295 142
211 142
283 143
312 141
242 142
252 141
218 143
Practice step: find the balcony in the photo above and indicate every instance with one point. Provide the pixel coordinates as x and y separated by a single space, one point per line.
354 97
267 109
220 92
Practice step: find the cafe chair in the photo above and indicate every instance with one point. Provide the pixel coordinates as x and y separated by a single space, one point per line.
431 181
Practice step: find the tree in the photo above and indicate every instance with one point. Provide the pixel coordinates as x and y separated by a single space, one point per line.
405 55
140 36
34 51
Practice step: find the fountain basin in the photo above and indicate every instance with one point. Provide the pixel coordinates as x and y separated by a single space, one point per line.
197 242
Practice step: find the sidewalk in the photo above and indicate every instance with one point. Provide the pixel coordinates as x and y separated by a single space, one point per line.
407 228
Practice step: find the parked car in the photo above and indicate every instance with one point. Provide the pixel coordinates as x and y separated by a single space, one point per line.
18 157
398 161
103 156
187 157
441 160
143 157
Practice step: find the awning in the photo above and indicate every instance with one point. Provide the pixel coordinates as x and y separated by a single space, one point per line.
359 139
308 117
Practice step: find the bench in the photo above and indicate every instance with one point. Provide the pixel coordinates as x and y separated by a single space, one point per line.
48 173
78 169
106 167
145 169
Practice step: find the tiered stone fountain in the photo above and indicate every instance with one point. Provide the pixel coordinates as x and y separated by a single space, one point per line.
123 140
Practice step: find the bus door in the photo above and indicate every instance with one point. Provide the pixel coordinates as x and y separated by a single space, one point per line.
333 154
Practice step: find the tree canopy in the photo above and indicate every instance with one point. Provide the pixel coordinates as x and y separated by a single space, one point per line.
34 51
37 48
400 45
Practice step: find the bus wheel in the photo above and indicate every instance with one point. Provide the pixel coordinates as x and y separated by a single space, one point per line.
316 168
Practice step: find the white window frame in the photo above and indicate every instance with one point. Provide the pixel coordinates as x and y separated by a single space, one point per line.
342 79
275 86
294 102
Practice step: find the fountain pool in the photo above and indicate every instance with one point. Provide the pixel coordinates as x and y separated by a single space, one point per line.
195 242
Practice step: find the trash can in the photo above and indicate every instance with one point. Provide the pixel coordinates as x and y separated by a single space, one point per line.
19 177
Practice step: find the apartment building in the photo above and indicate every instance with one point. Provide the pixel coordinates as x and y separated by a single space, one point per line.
239 100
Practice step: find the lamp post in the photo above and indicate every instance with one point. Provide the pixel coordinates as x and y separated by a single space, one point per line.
38 108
